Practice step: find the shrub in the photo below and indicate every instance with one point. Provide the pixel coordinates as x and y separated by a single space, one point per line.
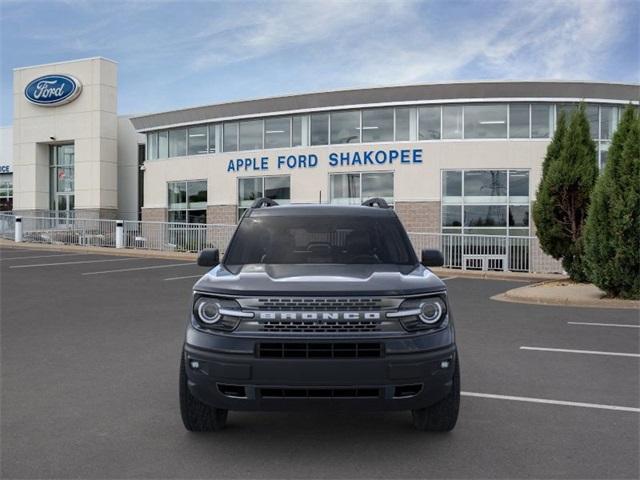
560 211
612 233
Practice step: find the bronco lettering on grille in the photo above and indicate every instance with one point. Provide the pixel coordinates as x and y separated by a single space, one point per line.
319 316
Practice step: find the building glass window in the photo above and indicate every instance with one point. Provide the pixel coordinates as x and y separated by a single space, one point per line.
355 188
485 121
278 188
519 186
452 121
451 186
429 123
345 188
277 132
212 138
163 144
251 135
403 124
485 216
296 131
6 192
252 188
152 146
485 186
519 216
187 201
320 129
61 183
452 216
230 137
592 116
604 152
608 122
486 202
178 142
519 120
377 185
197 140
345 127
541 120
377 125
568 109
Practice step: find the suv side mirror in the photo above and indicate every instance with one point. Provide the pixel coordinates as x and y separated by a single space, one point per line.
432 258
209 257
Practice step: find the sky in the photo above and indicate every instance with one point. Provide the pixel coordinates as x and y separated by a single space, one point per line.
176 54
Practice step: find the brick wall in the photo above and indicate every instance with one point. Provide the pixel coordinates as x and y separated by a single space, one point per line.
223 214
154 214
419 216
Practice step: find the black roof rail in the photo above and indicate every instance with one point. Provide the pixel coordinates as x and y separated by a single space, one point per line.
375 202
264 202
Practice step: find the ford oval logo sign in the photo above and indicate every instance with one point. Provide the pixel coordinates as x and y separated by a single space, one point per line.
53 90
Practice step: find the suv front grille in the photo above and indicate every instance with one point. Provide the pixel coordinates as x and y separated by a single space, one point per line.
319 326
320 350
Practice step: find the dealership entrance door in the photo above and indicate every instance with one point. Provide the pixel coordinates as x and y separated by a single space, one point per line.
61 180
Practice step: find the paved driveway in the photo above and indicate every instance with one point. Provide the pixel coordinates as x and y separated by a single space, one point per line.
90 350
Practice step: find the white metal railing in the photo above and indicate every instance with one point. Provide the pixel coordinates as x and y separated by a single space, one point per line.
168 236
7 226
467 252
69 231
488 252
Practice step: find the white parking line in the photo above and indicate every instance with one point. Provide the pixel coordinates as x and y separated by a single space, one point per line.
589 352
551 402
42 256
182 278
74 263
605 324
447 278
140 268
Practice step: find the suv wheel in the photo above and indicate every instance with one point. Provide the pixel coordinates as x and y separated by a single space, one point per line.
198 416
442 416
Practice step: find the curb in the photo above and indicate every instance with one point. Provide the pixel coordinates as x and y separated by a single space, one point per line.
512 296
508 276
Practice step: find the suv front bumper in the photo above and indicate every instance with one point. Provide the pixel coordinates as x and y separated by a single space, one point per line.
414 372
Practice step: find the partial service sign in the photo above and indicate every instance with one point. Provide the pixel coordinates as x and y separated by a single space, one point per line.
53 90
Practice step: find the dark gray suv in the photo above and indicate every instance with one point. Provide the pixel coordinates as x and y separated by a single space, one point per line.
320 306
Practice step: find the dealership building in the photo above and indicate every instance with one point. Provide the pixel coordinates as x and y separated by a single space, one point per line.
460 157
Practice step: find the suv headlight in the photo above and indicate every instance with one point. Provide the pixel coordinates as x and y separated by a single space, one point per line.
208 310
217 313
422 313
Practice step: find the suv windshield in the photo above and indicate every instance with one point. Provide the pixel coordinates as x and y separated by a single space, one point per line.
335 239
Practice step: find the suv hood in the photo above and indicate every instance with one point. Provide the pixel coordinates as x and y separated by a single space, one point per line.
344 280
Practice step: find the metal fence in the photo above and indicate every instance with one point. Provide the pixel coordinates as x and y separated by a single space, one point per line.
467 252
67 231
7 226
488 252
180 237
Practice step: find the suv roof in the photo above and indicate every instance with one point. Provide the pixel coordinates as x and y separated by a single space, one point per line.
318 210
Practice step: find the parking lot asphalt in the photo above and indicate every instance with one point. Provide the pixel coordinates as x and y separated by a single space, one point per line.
90 347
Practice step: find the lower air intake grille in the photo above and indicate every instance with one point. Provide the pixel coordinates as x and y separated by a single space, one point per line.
337 392
320 326
320 350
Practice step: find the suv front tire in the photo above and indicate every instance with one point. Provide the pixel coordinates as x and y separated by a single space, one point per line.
442 416
198 416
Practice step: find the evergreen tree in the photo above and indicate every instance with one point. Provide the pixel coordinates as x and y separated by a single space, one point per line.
563 197
612 233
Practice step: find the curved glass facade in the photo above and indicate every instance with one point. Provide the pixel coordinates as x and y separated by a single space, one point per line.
446 122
